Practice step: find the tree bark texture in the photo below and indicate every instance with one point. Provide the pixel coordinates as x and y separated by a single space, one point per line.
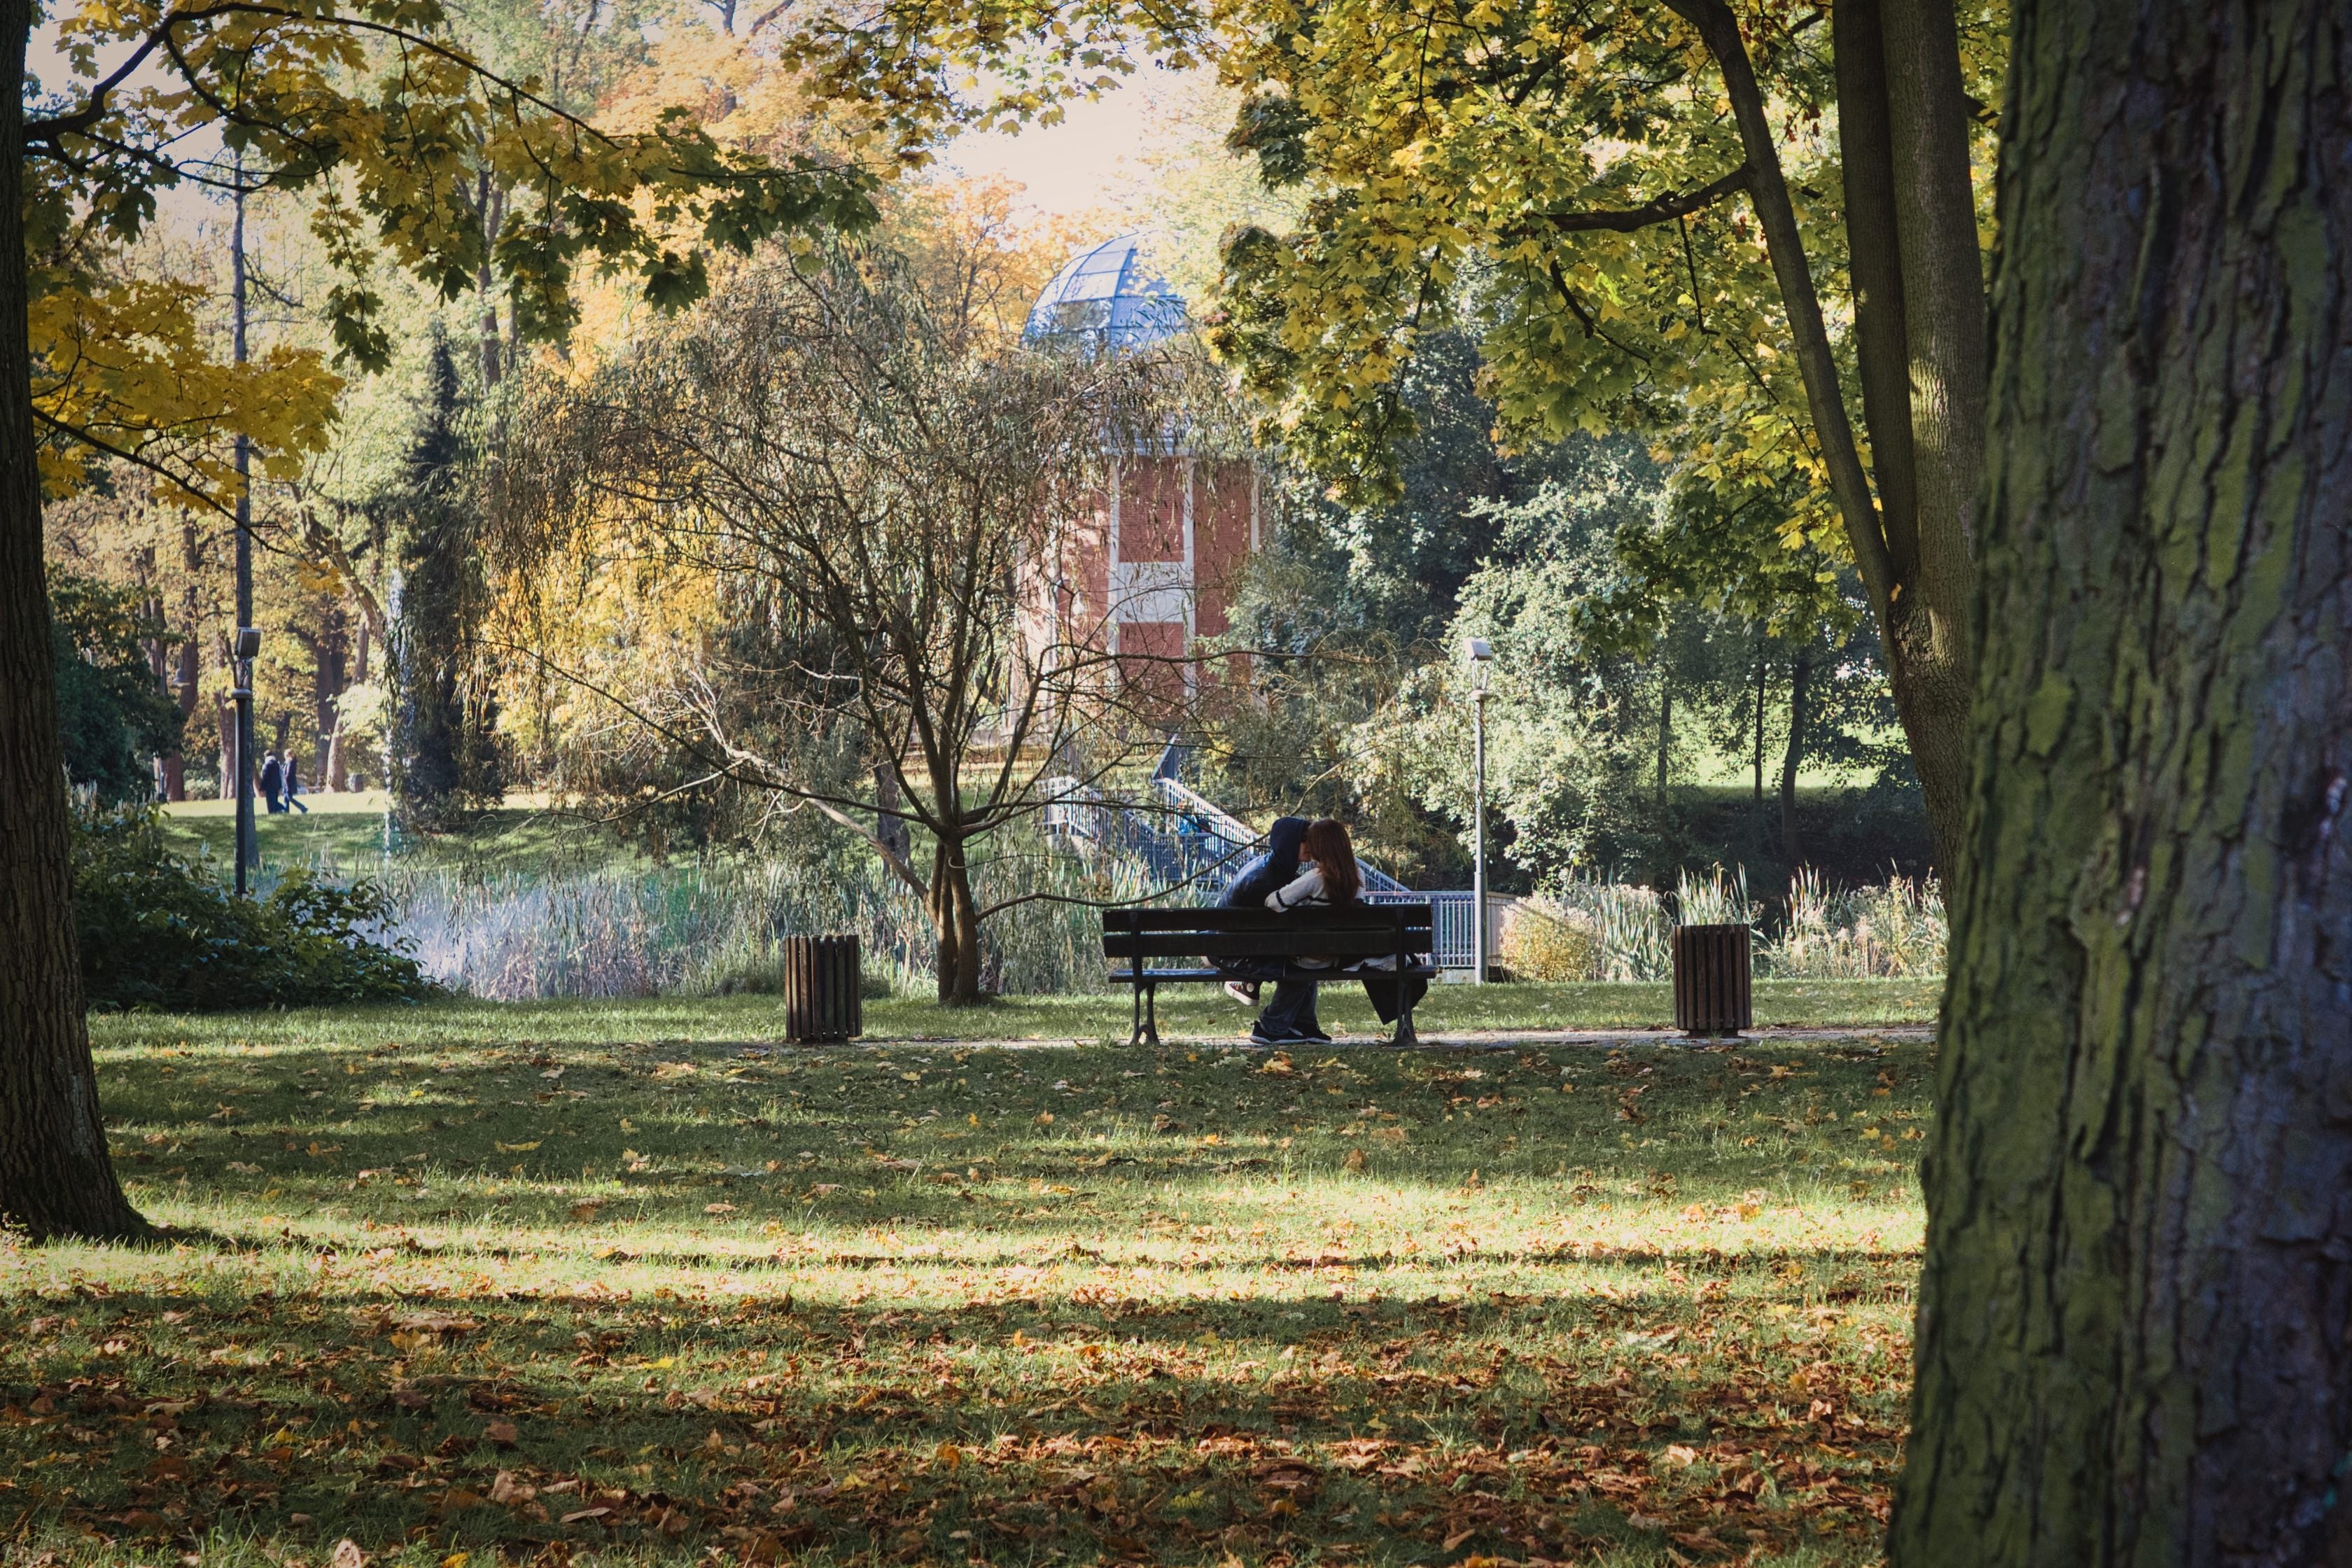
955 923
1874 259
2135 1333
56 1178
1944 336
1927 668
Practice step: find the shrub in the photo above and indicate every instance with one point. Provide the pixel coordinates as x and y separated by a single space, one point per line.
1543 940
159 931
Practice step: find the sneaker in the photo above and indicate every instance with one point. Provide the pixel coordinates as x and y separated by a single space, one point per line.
1313 1037
1261 1035
1243 991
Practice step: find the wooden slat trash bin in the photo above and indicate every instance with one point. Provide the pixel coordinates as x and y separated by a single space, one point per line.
1711 974
822 980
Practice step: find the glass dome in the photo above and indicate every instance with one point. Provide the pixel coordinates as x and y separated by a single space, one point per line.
1104 298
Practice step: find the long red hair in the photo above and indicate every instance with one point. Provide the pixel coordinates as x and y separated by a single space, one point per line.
1327 844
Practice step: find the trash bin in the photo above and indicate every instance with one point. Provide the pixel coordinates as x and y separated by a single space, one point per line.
821 981
1711 976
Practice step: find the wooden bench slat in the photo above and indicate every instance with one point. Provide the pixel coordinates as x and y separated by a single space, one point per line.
1418 971
1133 938
1366 917
1209 944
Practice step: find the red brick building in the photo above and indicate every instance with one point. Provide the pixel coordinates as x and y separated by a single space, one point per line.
1154 570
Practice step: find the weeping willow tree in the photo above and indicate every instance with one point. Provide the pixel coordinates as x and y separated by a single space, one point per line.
811 540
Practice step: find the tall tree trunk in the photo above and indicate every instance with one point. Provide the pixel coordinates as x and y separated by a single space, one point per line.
955 921
329 678
1875 258
224 717
2135 1333
490 204
1800 671
1927 668
56 1178
1929 551
1763 667
186 677
1665 734
1943 333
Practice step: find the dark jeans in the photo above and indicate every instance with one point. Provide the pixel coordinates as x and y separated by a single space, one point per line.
1292 1010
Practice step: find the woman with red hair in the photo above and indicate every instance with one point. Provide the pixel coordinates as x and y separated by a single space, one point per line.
1328 879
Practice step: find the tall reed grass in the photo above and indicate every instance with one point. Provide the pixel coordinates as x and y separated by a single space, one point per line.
707 928
1896 930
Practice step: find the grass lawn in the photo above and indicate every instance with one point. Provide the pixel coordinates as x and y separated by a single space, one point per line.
619 1283
344 833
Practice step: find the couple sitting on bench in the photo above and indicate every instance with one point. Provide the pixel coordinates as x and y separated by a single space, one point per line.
1307 866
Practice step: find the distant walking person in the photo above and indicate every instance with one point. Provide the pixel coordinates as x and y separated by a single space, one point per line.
273 782
294 785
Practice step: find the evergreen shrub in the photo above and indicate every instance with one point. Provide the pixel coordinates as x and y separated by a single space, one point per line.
163 933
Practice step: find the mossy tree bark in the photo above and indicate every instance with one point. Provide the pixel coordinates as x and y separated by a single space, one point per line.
2134 1335
56 1178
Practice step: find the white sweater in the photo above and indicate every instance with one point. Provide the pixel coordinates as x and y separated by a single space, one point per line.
1303 892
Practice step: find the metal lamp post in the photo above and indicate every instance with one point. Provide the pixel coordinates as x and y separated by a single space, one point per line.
1478 653
248 640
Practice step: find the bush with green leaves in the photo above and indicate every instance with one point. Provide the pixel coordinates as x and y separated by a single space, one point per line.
113 715
163 934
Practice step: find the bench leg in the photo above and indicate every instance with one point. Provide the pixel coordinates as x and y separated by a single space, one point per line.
1135 1038
1404 1034
1151 1014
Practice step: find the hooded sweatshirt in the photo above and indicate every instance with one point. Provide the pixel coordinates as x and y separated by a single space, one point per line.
1264 873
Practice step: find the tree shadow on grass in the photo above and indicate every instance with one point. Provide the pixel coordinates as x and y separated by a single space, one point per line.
1107 1430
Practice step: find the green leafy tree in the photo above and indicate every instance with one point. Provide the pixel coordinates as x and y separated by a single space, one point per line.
114 716
375 112
1639 209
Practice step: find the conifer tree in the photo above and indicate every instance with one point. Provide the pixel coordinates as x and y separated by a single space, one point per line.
444 755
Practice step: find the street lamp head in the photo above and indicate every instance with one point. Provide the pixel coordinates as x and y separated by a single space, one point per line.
248 642
1478 653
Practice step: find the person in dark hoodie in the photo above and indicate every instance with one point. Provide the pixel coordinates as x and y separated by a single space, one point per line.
1277 881
1259 876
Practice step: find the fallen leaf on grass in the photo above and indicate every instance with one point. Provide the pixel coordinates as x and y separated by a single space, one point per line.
718 1208
242 1169
910 1166
1355 1160
585 1513
521 1148
347 1555
587 1209
502 1433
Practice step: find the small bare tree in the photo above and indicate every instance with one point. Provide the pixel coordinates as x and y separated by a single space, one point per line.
868 477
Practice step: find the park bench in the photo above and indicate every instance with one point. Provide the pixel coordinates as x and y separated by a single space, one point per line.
1150 948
